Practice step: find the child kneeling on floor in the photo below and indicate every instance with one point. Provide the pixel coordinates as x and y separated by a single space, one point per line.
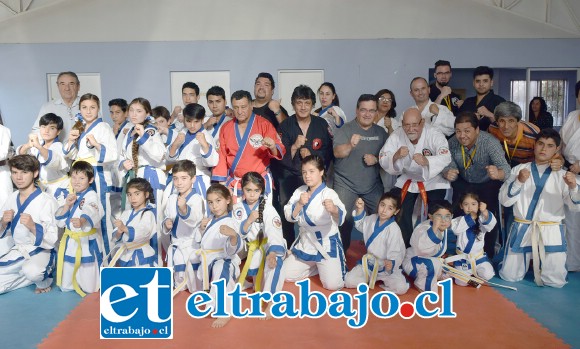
384 244
428 244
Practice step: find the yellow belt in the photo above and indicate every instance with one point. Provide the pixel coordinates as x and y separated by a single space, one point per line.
54 181
203 253
372 278
252 247
538 249
122 248
76 236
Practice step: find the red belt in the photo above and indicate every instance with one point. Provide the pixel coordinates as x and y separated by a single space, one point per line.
422 191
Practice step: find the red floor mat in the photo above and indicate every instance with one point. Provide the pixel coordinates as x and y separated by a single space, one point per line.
484 317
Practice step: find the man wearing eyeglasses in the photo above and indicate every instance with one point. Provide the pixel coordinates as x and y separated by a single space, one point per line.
67 106
440 118
417 153
441 93
356 168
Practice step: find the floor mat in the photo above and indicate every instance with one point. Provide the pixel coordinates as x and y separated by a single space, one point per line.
484 317
555 308
26 318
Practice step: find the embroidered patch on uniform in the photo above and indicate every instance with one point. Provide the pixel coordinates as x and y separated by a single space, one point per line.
256 140
277 223
317 143
427 152
443 151
89 145
150 132
81 204
238 214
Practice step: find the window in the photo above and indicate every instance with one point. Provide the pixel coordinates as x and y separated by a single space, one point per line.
553 91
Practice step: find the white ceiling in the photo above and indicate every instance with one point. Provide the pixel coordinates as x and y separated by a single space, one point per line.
48 21
563 14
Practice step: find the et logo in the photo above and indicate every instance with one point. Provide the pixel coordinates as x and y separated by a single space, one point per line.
136 303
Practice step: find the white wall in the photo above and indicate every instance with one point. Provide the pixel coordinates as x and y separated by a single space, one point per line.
136 69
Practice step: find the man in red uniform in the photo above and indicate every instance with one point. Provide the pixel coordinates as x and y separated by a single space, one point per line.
247 143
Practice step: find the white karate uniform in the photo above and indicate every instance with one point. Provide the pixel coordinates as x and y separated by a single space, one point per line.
53 175
102 162
191 150
422 259
570 133
543 213
432 144
5 180
383 242
151 165
117 179
31 257
217 257
86 206
271 228
318 249
216 129
139 242
169 137
182 236
470 243
444 121
332 125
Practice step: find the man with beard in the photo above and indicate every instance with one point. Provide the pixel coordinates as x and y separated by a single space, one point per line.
263 104
417 153
441 93
485 101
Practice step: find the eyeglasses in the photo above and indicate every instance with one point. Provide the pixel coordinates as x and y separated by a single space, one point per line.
385 100
446 218
365 111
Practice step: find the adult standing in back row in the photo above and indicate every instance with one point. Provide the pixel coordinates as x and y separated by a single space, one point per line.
485 101
67 106
356 166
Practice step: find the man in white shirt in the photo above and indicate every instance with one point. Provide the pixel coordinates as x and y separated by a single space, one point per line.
440 118
417 153
67 106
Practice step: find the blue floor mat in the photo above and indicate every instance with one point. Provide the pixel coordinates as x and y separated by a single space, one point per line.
557 309
26 318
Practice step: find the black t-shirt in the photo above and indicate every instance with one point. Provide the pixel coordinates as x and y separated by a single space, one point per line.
490 101
265 112
450 100
318 141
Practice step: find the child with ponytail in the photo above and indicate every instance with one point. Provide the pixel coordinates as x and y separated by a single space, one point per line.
261 229
143 155
136 232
